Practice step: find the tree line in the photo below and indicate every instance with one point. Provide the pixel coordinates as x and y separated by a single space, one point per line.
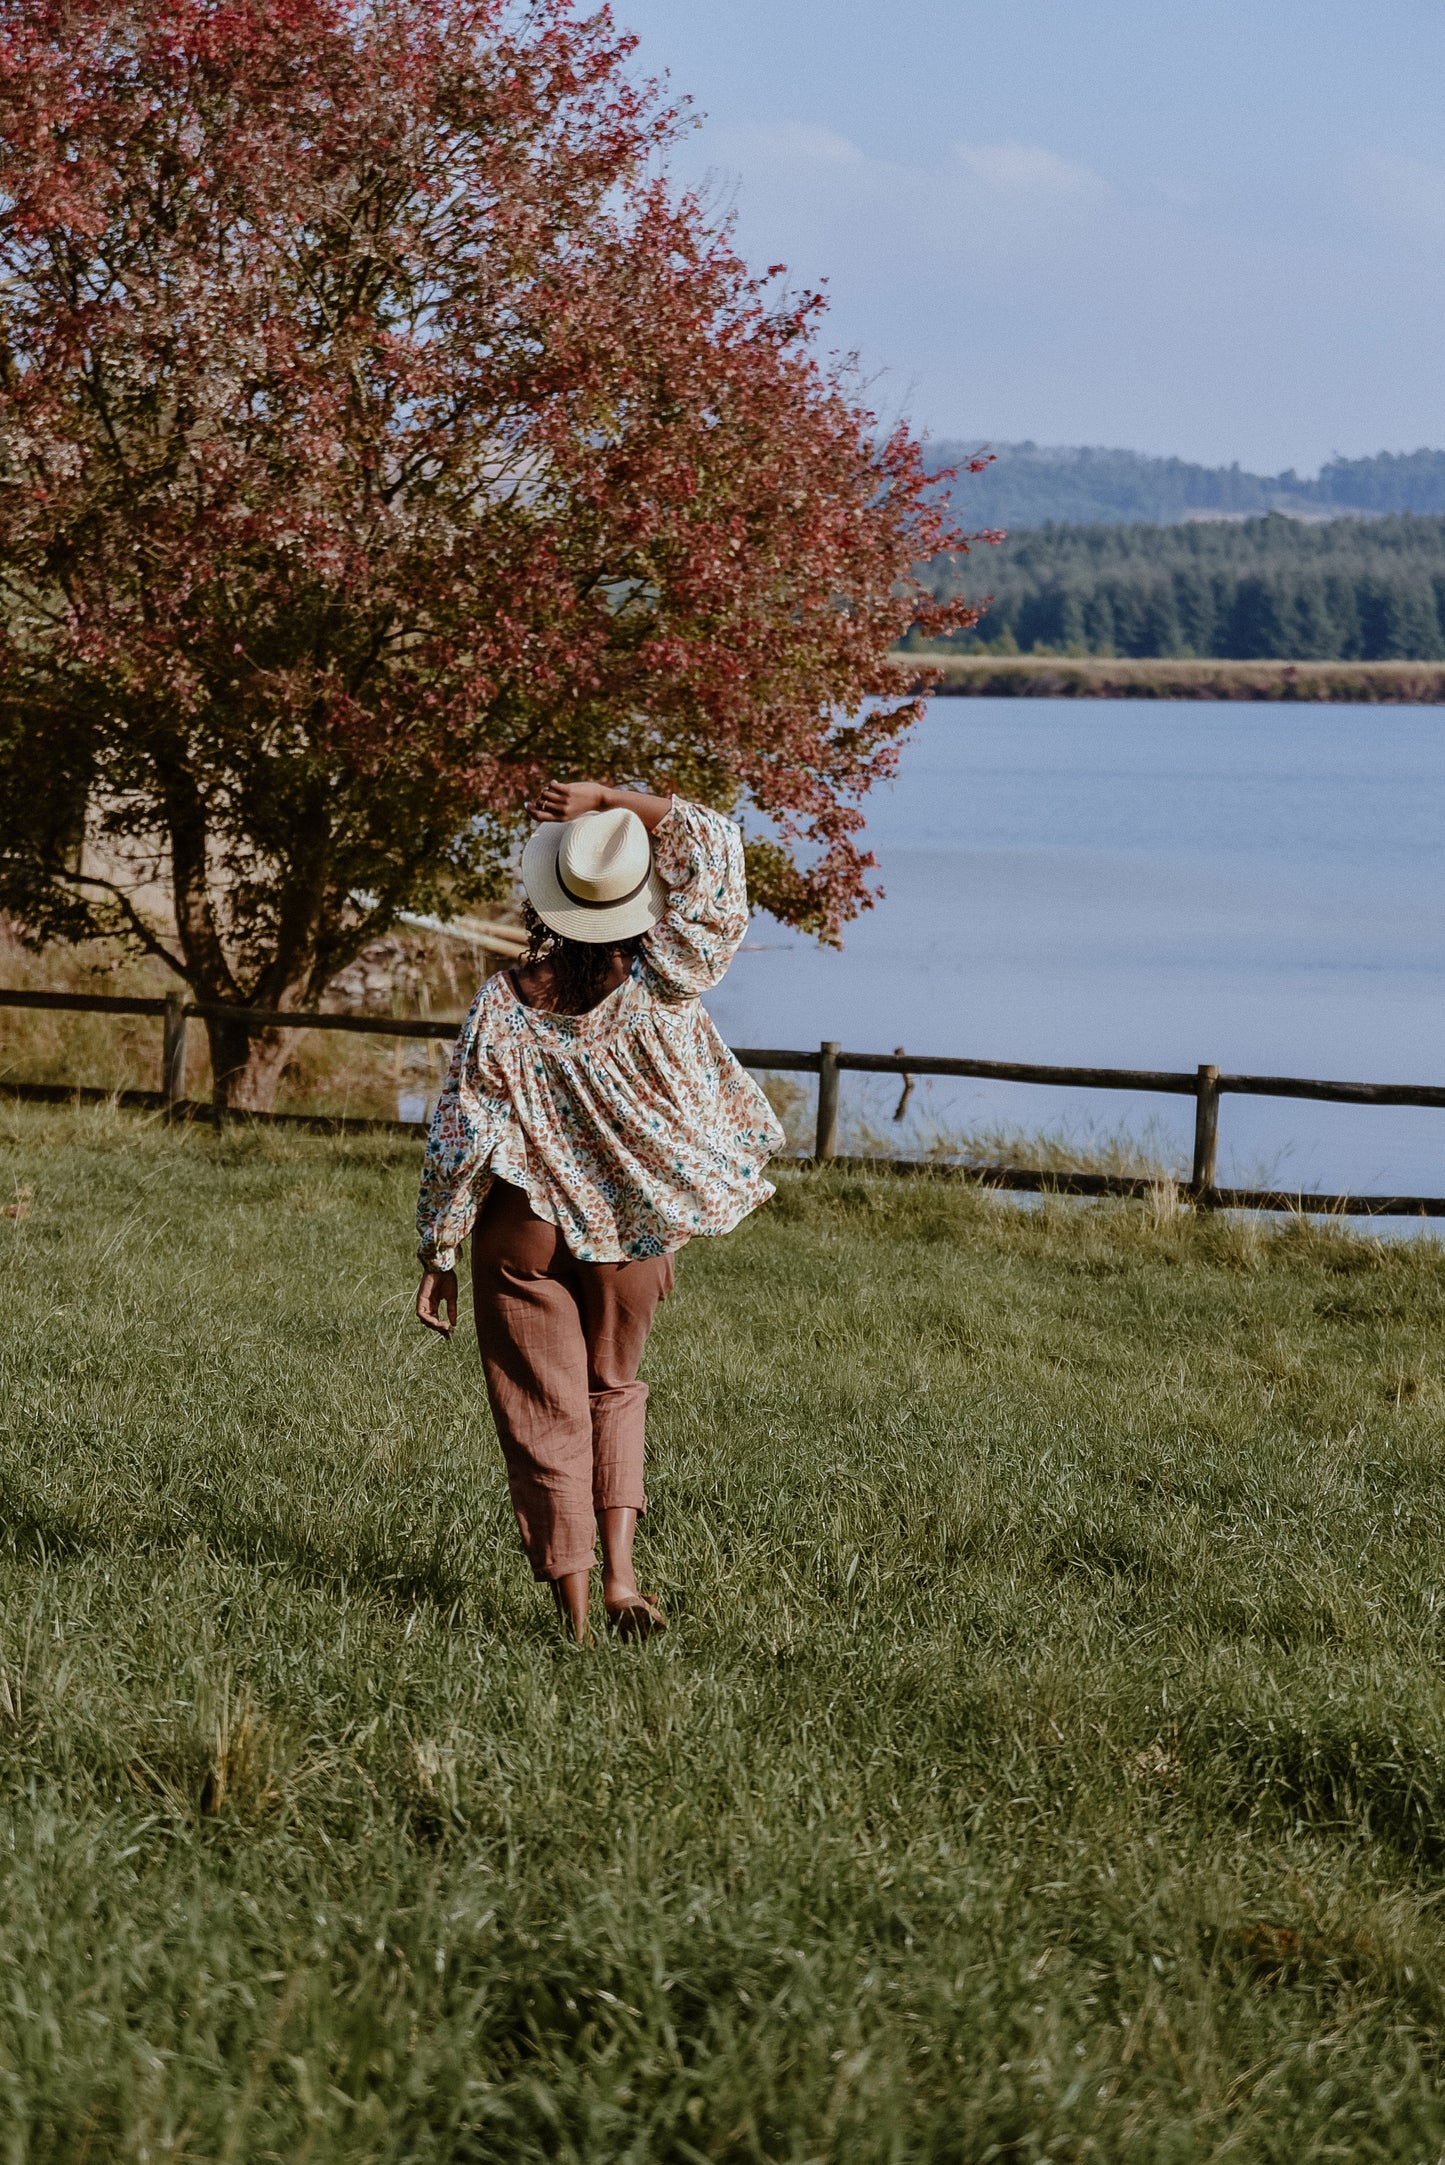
1029 484
1265 589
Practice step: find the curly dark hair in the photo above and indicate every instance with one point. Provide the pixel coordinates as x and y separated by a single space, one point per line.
580 968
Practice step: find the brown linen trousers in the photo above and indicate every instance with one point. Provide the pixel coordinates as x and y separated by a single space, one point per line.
561 1342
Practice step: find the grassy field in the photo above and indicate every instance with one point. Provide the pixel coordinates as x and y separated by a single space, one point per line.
1047 1762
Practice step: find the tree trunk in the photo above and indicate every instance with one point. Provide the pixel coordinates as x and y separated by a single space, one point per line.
247 1068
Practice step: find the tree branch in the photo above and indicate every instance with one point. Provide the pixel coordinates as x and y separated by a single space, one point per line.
149 939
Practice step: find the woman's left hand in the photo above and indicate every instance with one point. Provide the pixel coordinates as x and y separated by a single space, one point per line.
569 800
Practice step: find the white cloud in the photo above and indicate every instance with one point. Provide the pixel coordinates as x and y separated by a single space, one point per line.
783 141
1025 169
1408 191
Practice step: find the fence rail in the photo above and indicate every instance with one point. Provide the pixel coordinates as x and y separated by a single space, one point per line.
1206 1085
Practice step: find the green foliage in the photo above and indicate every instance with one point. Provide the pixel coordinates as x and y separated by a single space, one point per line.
1391 481
1030 484
1048 1758
383 436
1272 588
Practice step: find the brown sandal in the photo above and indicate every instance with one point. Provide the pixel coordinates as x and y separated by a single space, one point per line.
640 1619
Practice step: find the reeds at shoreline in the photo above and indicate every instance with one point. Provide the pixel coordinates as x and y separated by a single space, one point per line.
1039 676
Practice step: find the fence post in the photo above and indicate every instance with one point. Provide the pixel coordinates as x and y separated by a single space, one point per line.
1206 1135
825 1143
173 1054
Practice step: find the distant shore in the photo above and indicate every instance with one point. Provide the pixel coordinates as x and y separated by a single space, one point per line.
1036 676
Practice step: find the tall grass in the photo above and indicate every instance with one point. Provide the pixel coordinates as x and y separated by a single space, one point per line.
1047 1760
876 1121
329 1071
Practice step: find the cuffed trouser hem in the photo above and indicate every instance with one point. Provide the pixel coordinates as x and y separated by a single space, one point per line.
548 1574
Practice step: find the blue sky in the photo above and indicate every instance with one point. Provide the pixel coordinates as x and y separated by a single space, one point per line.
1194 226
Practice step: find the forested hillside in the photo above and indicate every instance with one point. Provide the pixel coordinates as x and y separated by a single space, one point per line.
1270 588
1032 484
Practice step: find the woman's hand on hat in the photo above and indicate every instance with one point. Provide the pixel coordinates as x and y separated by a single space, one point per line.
569 800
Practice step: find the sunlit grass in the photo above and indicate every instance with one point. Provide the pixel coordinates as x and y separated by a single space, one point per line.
1047 1759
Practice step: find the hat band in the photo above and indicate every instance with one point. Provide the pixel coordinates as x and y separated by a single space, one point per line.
585 902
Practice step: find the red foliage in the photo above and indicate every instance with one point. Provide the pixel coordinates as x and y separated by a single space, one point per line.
380 435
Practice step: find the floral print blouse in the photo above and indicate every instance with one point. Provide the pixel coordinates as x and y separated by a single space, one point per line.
631 1128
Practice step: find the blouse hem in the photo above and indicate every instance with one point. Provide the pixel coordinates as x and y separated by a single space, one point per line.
763 1192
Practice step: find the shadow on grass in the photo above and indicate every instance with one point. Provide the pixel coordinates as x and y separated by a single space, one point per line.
39 1536
403 1582
1340 1774
34 1535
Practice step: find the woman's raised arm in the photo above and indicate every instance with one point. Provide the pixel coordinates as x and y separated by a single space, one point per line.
569 800
700 856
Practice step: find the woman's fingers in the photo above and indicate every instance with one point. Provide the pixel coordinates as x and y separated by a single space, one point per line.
568 800
436 1302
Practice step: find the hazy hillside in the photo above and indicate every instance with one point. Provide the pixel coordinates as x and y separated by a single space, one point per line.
1034 484
1268 588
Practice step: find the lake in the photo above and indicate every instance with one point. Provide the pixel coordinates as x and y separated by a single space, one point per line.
1148 884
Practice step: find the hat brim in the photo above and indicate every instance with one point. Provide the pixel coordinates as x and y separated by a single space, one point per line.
575 920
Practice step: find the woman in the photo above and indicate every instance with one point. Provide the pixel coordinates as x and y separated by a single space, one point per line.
592 1122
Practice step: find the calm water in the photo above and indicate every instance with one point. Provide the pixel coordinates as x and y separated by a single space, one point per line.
1132 884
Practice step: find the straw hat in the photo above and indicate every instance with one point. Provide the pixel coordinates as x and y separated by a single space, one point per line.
593 878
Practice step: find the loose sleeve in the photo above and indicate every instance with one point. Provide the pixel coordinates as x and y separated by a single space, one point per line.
700 857
466 1126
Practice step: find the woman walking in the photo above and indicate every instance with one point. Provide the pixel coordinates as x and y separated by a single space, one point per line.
592 1121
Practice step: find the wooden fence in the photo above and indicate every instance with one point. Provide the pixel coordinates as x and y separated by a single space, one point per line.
1205 1085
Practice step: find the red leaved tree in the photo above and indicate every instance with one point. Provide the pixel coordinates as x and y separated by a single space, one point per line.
379 435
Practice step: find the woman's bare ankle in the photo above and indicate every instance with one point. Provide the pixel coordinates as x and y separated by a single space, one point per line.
617 1525
573 1594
